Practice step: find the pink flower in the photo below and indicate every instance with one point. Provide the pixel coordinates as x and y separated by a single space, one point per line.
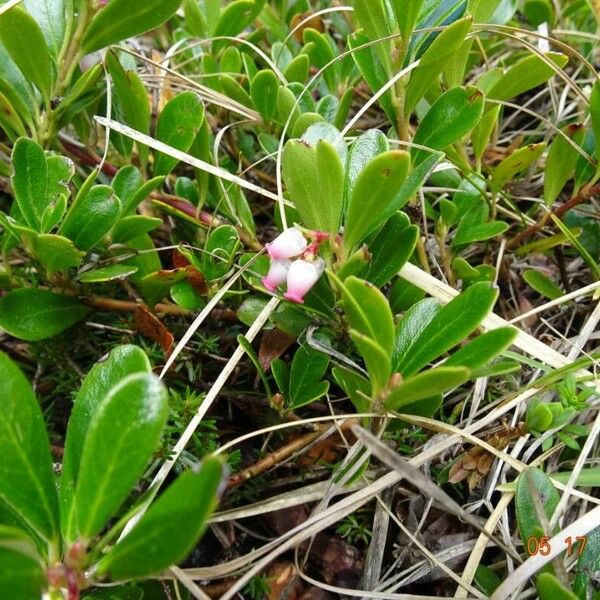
288 244
302 275
278 271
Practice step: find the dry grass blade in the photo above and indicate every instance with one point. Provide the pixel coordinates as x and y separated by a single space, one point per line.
183 156
10 4
421 482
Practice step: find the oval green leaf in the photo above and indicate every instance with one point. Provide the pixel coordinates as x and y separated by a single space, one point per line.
122 19
171 527
27 485
123 432
34 314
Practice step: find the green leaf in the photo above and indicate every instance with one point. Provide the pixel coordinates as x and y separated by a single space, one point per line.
122 434
132 98
178 123
22 576
376 359
515 164
595 115
375 188
452 116
26 476
120 20
30 180
370 66
110 273
103 377
371 15
235 91
431 331
483 348
34 314
366 147
305 385
533 482
130 227
550 588
486 580
407 14
425 385
24 41
56 253
52 19
263 91
355 386
560 162
368 312
391 248
542 284
433 61
314 176
237 16
526 74
91 217
171 527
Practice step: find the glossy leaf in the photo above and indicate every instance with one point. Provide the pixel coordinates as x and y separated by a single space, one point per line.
56 253
133 226
103 377
375 188
178 124
452 116
91 217
483 348
526 74
123 431
530 482
430 331
407 14
120 20
372 16
34 314
26 476
425 385
52 19
366 147
391 248
368 311
30 180
433 61
171 527
110 273
24 41
22 576
308 368
376 359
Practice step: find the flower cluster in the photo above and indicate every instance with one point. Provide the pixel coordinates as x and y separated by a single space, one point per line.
299 274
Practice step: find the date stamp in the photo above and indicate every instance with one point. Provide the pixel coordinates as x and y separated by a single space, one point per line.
541 545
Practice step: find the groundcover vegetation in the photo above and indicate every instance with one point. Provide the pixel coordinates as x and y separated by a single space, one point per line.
299 299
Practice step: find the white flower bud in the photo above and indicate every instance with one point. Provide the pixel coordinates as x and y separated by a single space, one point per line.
302 275
288 244
278 271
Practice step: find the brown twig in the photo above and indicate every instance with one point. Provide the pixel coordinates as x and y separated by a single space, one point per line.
585 194
278 456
